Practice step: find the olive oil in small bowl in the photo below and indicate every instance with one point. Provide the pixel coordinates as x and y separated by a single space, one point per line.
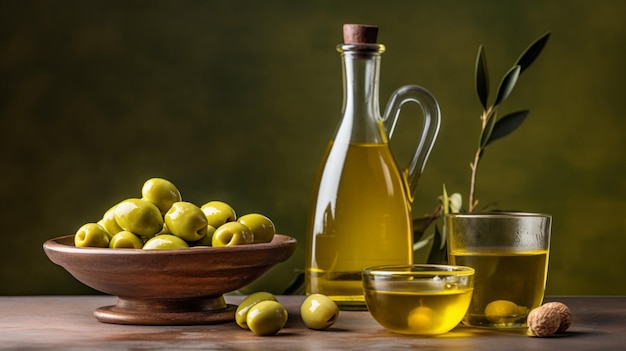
418 299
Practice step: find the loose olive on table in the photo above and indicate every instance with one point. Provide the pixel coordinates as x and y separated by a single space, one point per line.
241 314
263 314
266 318
319 311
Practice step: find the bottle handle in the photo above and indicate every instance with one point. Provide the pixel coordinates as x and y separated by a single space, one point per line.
430 129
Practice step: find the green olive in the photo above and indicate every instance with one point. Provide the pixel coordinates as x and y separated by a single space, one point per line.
101 223
125 239
109 223
218 213
242 310
422 320
231 234
160 192
165 242
504 311
187 221
266 318
206 240
319 311
262 227
165 229
139 216
91 235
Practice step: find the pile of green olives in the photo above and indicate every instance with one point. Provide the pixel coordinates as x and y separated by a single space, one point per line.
160 219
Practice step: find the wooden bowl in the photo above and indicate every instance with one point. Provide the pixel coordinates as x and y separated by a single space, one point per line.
168 287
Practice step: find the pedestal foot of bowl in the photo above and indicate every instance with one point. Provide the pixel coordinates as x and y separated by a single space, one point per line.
193 311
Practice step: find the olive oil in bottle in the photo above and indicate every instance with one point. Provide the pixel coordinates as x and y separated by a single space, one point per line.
361 210
360 225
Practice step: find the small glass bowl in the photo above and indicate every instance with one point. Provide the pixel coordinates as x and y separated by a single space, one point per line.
419 299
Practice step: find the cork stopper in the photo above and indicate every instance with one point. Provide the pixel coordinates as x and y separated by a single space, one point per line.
359 34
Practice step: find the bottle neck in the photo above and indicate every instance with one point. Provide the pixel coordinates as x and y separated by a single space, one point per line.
361 121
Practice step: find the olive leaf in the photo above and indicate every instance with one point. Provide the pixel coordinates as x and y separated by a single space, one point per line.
530 54
439 251
482 77
507 84
507 124
422 243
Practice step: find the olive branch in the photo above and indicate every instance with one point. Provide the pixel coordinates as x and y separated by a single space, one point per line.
492 129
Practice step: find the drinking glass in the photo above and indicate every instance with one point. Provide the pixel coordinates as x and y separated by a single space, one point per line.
509 251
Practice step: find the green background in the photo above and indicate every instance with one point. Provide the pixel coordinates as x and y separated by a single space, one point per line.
236 100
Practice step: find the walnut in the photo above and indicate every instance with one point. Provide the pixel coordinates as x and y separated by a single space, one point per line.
550 318
544 321
566 315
